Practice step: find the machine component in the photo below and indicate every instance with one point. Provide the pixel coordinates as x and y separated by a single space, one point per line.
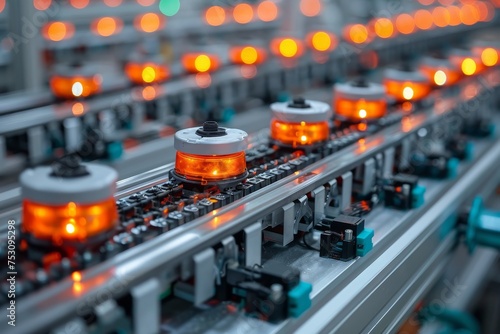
434 164
344 238
210 155
440 71
146 71
406 84
273 292
70 205
300 123
467 61
359 101
483 226
403 192
70 82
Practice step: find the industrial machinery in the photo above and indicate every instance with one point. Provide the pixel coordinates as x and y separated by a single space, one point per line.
269 166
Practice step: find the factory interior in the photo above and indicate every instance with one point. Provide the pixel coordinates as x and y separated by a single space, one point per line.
249 166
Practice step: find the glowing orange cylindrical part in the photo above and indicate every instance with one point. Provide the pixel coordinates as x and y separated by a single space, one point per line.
299 134
210 168
69 222
146 73
200 63
247 55
77 86
441 76
358 110
407 90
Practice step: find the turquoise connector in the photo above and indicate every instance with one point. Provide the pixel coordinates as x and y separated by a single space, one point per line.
299 300
483 226
283 97
469 151
227 114
115 150
417 196
364 242
452 167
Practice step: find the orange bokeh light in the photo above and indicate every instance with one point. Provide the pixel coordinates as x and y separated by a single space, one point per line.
383 27
247 55
310 8
322 41
107 26
407 90
267 11
206 168
79 4
469 15
423 19
58 31
287 47
356 33
200 62
147 72
405 23
146 3
441 17
149 22
215 16
243 13
112 3
75 87
38 4
454 12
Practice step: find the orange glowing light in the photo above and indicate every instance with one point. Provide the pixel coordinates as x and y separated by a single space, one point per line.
38 4
149 22
356 33
267 11
469 15
454 12
287 47
58 31
70 222
243 13
247 55
149 93
78 109
469 66
485 10
203 80
210 168
76 276
383 28
405 23
322 41
426 2
215 16
79 4
107 26
248 71
146 3
489 57
2 5
200 63
76 86
440 78
423 19
407 90
446 2
147 72
357 110
441 17
112 3
299 134
310 8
